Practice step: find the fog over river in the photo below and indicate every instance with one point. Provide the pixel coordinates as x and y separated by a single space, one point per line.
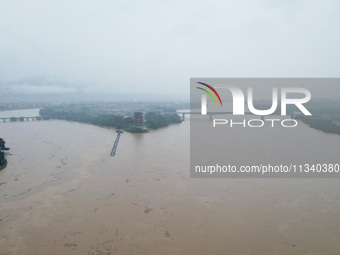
62 193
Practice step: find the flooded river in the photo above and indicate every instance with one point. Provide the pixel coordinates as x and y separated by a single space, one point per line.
62 193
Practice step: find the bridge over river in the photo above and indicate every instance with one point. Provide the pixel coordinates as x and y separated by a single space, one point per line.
211 114
182 114
32 118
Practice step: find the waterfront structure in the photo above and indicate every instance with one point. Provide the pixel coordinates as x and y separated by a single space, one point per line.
114 148
138 120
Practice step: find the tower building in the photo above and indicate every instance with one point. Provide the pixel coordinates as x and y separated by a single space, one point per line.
138 120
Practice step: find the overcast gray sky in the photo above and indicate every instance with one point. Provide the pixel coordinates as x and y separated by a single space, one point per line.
154 47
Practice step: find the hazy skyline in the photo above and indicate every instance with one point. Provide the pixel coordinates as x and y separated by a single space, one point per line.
154 47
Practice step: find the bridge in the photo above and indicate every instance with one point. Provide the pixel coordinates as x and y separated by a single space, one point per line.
182 114
114 148
211 114
32 118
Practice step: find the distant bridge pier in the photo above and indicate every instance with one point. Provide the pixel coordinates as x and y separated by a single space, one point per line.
210 117
183 116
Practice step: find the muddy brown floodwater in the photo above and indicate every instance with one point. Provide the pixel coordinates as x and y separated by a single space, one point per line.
62 193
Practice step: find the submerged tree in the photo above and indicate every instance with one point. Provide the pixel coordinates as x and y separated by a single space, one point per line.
2 145
3 161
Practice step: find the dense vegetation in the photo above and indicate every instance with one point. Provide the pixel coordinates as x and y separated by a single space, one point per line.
323 124
153 120
3 161
107 120
325 114
157 120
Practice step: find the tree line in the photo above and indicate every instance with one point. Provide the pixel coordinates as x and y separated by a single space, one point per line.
3 148
323 124
157 120
153 120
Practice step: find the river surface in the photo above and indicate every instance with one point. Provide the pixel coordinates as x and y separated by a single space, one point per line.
62 193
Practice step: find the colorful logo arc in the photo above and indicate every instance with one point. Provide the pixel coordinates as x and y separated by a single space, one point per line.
212 89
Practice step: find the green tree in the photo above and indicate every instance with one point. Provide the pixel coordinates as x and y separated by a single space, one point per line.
2 145
3 161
